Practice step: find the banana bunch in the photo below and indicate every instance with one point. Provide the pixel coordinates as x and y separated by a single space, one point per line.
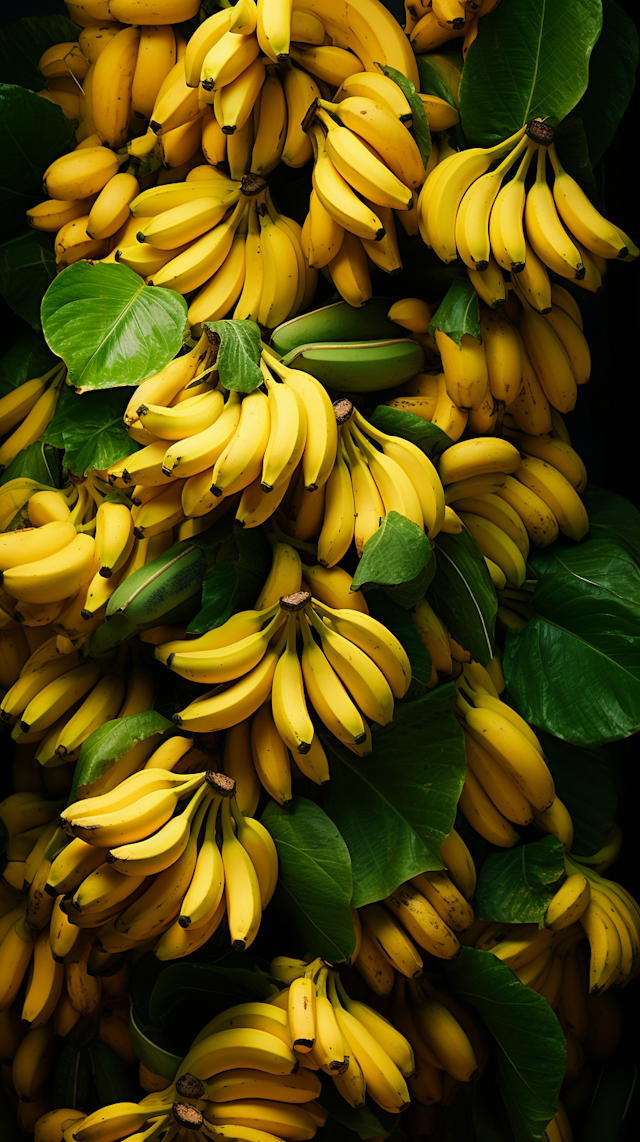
388 944
466 209
449 1047
527 365
25 413
430 25
507 781
347 1039
350 666
610 918
146 864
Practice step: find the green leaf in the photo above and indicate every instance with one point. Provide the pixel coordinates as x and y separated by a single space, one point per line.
37 461
420 124
489 1116
396 553
604 103
614 518
237 571
530 1047
395 618
516 70
577 772
239 346
106 745
155 1058
574 669
394 816
463 595
90 429
24 42
406 595
109 328
28 357
186 995
27 268
513 886
33 132
395 422
432 76
314 878
458 312
368 1121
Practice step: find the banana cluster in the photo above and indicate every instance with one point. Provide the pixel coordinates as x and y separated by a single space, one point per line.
146 865
466 209
525 370
346 664
25 413
432 23
425 913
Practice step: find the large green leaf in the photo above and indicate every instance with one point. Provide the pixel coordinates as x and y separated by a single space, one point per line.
106 745
577 772
398 552
33 132
395 806
22 44
314 879
514 886
528 61
614 518
28 357
574 669
396 422
90 429
604 103
458 313
463 595
27 268
109 328
238 359
368 1121
530 1049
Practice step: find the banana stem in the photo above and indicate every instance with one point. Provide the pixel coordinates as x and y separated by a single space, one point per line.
332 991
299 544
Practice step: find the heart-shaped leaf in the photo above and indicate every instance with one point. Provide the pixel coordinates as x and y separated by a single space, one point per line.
395 806
577 772
90 429
106 745
396 553
396 422
109 328
604 103
528 61
27 268
33 132
238 360
458 313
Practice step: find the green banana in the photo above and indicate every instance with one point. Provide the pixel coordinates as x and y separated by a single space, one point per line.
148 596
359 366
73 1079
337 322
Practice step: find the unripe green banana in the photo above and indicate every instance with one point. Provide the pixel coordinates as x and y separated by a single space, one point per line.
359 366
337 322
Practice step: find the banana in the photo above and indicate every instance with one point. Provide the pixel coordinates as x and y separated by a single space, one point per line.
472 458
360 675
465 369
533 282
506 229
289 707
418 468
218 296
206 889
514 753
225 663
433 636
568 903
549 359
225 61
205 37
384 931
240 700
537 517
118 1120
349 272
32 427
383 131
324 235
556 492
197 454
321 442
395 487
80 174
32 544
300 90
443 191
379 88
448 901
242 888
110 211
231 1086
240 626
234 103
16 950
196 264
72 865
361 168
33 1063
329 696
182 224
573 340
336 195
111 88
604 946
100 706
497 545
134 822
444 1035
545 231
301 1014
44 987
422 922
503 356
176 942
484 816
472 219
270 756
156 199
581 218
270 126
378 643
156 58
338 524
157 852
52 578
383 1079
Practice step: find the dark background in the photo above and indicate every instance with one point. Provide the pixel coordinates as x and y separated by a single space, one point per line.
604 428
